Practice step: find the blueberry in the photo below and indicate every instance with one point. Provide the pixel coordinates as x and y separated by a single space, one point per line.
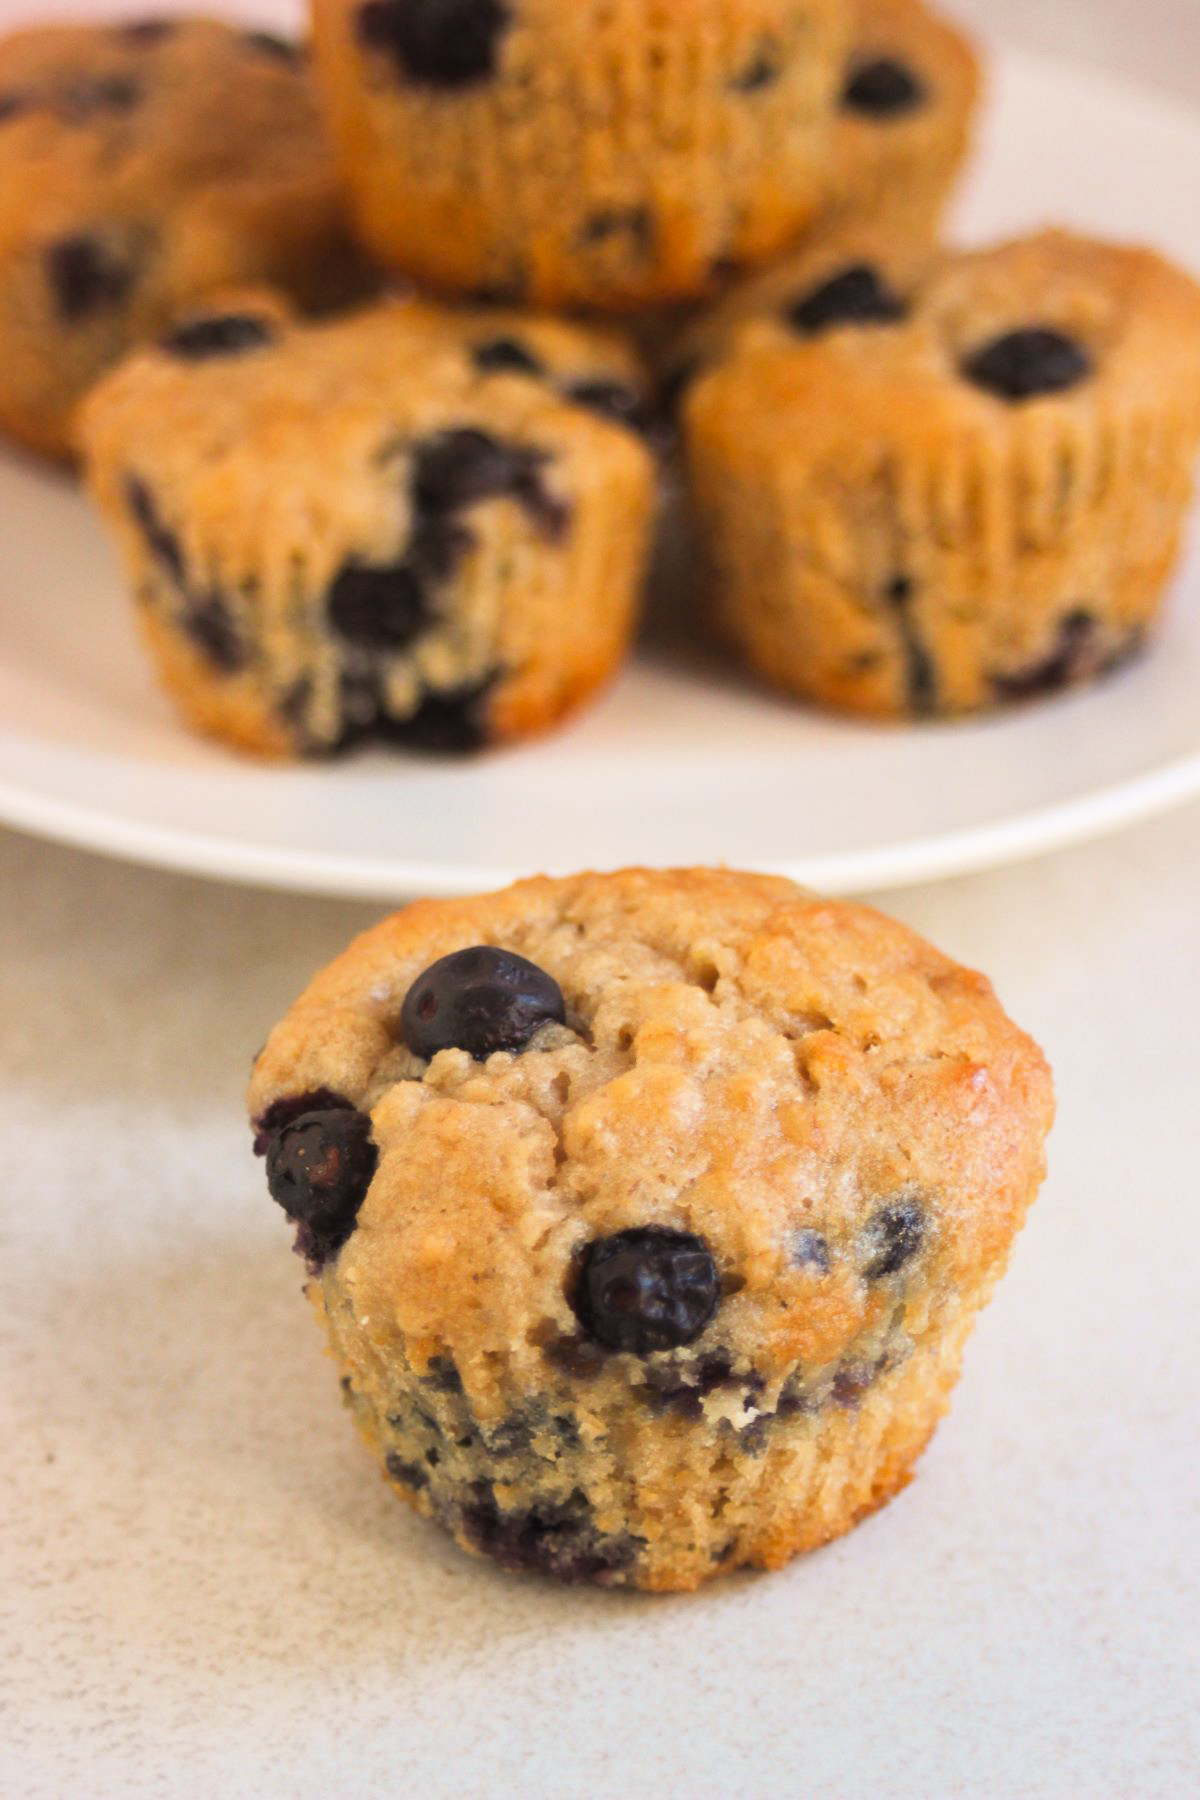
479 1000
83 99
461 467
762 71
1023 364
883 88
146 31
436 43
549 1539
12 105
162 541
452 723
894 1236
1072 657
219 334
808 1250
206 620
408 1474
647 1289
319 1168
84 276
851 1383
442 1373
614 400
506 355
377 607
281 1112
857 296
919 670
269 44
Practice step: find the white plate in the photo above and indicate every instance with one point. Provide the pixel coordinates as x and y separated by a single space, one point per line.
684 761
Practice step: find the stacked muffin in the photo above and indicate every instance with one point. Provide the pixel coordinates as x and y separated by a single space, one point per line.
925 483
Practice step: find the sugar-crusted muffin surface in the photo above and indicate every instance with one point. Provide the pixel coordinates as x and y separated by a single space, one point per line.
126 194
792 1100
971 498
409 523
608 154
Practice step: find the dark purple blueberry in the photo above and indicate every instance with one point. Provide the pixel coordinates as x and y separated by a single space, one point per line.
162 541
762 71
147 31
437 546
479 1000
577 1356
883 88
319 1168
442 1373
851 1383
409 1474
808 1250
268 43
895 1234
632 226
506 355
682 1390
920 673
453 723
437 43
206 620
81 100
614 400
12 105
857 296
377 608
647 1289
1024 364
1072 658
460 468
84 276
219 334
281 1112
548 1539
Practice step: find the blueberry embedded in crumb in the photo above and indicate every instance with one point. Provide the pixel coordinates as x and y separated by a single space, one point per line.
882 87
506 355
319 1168
462 467
436 43
81 100
612 400
857 295
647 1289
894 1235
555 1539
12 105
920 673
454 722
442 1373
206 620
1024 364
809 1250
219 334
378 608
270 44
480 1000
409 1474
288 1107
146 32
85 277
1073 657
164 545
762 71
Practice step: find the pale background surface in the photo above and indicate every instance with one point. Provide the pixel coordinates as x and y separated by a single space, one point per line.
205 1593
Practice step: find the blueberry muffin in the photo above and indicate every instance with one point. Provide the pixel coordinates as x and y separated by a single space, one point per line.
125 195
647 1214
909 97
942 500
412 525
609 153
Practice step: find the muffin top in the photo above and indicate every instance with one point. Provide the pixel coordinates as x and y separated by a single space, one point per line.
1052 325
96 122
909 78
708 1114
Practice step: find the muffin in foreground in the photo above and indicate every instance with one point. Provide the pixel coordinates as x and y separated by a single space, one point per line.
412 525
647 1214
125 195
939 499
596 155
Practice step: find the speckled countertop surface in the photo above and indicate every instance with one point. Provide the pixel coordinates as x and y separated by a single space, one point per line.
206 1593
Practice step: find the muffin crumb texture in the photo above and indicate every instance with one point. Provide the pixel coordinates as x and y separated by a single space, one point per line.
679 1280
